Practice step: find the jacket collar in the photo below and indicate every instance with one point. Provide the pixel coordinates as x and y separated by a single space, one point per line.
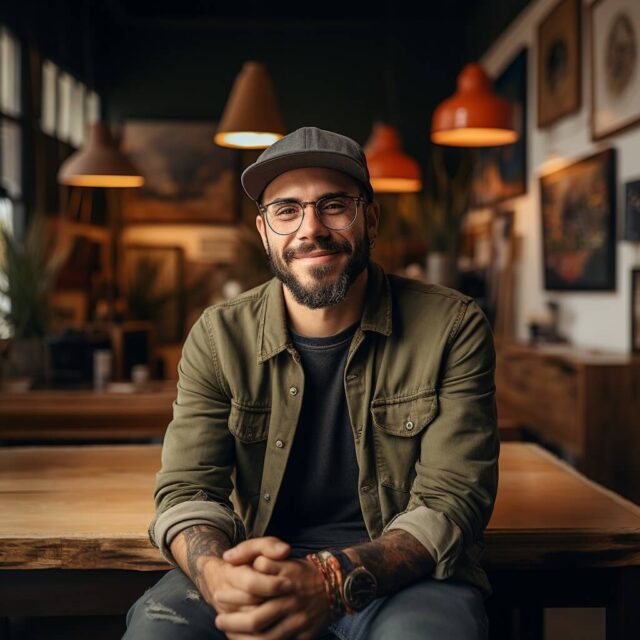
273 334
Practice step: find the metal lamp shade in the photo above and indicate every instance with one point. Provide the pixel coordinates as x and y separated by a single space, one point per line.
99 163
474 116
391 170
251 118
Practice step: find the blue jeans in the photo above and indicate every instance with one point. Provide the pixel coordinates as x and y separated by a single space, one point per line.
429 610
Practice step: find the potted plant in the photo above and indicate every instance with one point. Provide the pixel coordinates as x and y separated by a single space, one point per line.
26 280
446 203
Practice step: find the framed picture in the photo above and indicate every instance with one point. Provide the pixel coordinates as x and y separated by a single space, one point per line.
501 172
615 66
558 49
632 211
578 207
153 284
635 310
188 178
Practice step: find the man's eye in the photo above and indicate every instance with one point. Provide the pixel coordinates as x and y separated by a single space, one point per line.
286 212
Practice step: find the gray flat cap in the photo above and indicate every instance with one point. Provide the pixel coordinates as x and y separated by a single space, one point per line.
307 147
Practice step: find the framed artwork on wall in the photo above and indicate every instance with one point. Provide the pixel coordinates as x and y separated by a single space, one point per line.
615 66
632 211
558 53
188 178
578 215
635 310
501 172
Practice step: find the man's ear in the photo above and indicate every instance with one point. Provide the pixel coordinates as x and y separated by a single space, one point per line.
262 231
373 218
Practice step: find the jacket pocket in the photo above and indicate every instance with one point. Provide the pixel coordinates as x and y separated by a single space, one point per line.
397 423
249 423
250 428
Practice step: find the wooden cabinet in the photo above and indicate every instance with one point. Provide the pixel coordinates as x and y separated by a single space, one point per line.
585 402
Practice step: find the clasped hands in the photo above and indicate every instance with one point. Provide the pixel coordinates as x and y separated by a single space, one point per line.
260 595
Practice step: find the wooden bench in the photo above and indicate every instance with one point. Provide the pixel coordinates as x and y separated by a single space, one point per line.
73 536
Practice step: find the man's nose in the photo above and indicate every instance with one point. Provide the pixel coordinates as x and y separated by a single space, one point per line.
311 225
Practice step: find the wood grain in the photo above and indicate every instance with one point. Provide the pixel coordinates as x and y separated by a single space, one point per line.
89 508
585 402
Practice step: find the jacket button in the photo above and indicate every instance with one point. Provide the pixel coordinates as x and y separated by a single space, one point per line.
267 496
293 391
364 488
409 426
352 376
279 444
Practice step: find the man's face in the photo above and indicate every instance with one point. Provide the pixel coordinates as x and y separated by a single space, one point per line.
317 265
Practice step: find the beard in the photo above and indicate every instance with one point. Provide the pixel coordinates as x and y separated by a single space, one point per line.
328 288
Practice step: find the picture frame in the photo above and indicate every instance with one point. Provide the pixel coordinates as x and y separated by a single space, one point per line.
578 218
632 211
188 178
500 173
153 283
635 310
615 66
559 63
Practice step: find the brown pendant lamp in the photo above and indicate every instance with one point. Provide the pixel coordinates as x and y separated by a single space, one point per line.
99 163
251 118
474 116
391 170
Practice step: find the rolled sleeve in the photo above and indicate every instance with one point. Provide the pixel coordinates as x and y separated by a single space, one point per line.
441 537
454 490
195 482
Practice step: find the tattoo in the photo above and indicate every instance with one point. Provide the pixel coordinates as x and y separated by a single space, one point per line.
396 559
203 541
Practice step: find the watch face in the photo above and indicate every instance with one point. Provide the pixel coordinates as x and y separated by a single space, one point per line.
360 588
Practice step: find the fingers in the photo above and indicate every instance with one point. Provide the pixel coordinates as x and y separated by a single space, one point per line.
260 620
258 584
248 550
265 565
235 597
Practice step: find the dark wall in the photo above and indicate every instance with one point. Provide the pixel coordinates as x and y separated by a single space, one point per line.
339 78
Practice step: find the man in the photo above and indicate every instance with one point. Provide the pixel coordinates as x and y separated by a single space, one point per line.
352 411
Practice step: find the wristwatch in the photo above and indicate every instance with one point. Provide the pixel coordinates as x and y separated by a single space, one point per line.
359 585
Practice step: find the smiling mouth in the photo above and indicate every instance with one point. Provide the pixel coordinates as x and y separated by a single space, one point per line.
323 254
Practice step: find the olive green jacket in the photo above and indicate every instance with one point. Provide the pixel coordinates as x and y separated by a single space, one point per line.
419 384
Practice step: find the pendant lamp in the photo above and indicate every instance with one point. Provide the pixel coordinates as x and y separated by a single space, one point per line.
251 119
99 163
474 116
391 170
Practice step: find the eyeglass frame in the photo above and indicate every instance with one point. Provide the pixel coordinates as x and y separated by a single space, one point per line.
263 210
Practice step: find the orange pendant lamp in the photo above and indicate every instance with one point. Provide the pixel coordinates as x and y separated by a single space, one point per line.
251 118
99 163
391 170
474 116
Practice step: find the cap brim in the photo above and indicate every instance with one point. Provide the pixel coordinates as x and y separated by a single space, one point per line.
257 176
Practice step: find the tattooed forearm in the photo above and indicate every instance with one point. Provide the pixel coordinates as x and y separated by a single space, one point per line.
396 559
202 541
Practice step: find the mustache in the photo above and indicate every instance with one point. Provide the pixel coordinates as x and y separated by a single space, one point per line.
326 244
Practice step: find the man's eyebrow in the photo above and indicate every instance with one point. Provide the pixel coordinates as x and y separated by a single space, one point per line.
331 194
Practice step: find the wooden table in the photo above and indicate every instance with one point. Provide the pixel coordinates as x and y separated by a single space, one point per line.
87 415
73 534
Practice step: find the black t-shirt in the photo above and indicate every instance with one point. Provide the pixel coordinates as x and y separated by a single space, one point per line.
318 505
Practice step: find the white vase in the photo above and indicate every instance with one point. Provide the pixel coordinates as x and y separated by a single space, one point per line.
442 269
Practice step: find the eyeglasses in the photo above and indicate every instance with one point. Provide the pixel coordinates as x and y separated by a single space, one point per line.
334 212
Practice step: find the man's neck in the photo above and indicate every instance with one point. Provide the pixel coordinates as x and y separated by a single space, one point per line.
327 321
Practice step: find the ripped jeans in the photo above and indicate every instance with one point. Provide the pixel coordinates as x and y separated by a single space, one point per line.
432 609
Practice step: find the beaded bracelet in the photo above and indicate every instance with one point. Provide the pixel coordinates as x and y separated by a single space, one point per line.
332 581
